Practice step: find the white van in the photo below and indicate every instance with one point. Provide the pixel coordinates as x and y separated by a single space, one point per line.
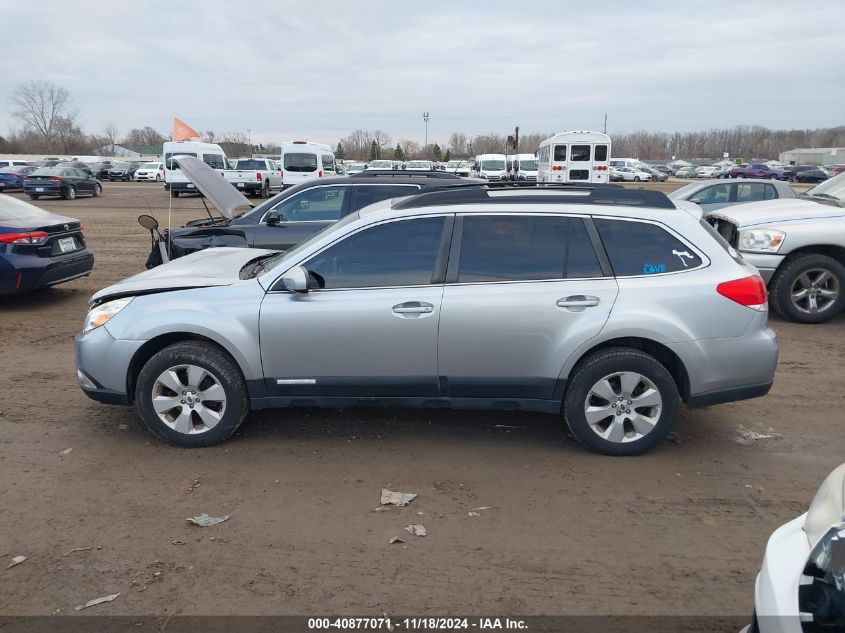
491 166
306 160
209 153
575 156
523 167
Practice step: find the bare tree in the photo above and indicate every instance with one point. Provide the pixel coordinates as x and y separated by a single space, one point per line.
110 132
144 136
41 105
458 144
410 149
382 139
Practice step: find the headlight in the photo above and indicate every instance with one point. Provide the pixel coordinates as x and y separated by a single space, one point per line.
104 313
760 240
828 506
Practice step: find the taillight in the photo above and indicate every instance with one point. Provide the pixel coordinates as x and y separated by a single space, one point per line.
748 291
320 174
258 175
53 178
558 168
36 237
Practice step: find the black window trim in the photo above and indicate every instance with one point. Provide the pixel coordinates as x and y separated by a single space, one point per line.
448 224
457 235
705 260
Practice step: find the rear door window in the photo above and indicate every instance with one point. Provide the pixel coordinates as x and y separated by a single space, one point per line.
640 248
601 153
579 153
754 192
525 248
316 204
365 195
402 253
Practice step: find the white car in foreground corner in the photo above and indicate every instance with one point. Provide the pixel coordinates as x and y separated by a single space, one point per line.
801 587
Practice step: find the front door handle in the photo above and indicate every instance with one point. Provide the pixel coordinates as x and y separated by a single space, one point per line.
413 308
578 303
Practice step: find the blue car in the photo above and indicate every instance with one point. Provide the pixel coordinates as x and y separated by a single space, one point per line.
12 177
39 249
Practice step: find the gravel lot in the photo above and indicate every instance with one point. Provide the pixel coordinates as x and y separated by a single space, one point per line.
678 531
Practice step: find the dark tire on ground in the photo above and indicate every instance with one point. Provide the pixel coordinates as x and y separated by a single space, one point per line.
590 371
33 196
98 190
265 190
174 194
212 359
69 193
790 272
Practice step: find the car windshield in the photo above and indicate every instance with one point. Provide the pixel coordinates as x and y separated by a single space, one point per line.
493 165
287 257
150 166
300 162
355 168
418 164
381 164
120 166
528 165
833 189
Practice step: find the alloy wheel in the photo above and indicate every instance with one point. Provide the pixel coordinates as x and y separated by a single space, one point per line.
623 407
814 291
189 399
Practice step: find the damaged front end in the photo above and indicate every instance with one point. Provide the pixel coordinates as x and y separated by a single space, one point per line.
169 246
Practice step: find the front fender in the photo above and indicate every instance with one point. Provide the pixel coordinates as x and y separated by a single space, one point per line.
227 315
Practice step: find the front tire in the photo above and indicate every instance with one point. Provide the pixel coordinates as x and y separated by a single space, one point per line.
809 289
191 394
636 178
621 401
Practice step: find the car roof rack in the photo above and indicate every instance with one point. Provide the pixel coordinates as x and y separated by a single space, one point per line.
534 193
394 173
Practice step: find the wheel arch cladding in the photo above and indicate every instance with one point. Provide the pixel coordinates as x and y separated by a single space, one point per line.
665 356
155 345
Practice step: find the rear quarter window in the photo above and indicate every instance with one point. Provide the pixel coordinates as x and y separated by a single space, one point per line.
640 248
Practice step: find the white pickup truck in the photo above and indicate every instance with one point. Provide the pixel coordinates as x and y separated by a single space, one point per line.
255 175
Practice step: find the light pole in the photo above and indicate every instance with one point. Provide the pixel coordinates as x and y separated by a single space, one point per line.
249 141
425 118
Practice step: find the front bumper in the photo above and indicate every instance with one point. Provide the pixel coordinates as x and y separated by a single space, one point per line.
765 263
102 364
776 590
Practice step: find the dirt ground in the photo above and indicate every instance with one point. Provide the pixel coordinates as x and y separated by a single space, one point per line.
680 530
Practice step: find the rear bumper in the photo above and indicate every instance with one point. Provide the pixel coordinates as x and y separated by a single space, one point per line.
22 273
45 190
248 186
182 187
731 394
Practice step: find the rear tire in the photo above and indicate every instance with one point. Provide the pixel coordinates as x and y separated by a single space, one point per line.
617 425
799 278
33 196
221 385
98 190
265 190
69 193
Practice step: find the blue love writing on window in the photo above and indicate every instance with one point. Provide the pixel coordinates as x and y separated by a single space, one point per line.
651 269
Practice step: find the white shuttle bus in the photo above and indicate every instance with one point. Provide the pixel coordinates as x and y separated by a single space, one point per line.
209 153
574 157
306 160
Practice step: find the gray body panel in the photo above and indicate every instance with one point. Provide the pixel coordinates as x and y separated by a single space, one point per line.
478 343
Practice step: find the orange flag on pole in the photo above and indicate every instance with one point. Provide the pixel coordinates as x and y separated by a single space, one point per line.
182 131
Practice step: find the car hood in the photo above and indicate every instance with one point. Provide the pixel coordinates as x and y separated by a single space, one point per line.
777 212
209 267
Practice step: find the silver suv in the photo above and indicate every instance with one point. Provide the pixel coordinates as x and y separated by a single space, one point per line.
602 304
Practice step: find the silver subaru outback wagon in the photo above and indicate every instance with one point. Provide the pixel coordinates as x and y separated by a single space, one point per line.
604 305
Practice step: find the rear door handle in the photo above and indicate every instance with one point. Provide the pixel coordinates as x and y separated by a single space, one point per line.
413 308
577 303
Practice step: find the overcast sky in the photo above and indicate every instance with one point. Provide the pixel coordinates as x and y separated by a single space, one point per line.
320 69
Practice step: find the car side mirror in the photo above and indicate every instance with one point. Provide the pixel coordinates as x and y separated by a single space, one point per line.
272 218
296 279
695 200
